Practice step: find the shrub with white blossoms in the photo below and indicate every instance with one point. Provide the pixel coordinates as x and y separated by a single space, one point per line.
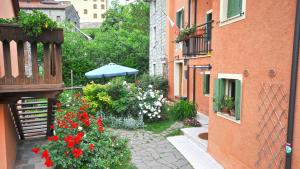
150 103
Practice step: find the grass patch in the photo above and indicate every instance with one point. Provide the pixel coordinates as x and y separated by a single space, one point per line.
176 132
159 126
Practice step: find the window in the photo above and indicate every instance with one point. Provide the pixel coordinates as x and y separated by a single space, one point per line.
232 10
85 11
165 70
154 36
102 16
102 6
154 69
58 19
180 18
95 15
95 6
227 97
102 0
206 84
95 0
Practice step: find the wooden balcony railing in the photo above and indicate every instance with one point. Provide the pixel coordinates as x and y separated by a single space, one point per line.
30 64
200 43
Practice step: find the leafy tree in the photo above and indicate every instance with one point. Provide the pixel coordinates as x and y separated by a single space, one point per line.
123 38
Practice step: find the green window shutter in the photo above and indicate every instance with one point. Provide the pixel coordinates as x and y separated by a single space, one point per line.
234 7
217 98
178 19
182 18
205 78
237 99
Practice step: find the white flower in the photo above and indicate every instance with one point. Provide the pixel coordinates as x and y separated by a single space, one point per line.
150 86
124 83
158 116
80 128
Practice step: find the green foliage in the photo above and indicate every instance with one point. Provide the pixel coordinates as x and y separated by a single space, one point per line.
182 110
184 33
116 98
123 38
176 132
158 83
33 23
97 96
107 151
228 102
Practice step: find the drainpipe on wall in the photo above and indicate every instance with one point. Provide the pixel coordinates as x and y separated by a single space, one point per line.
194 83
293 89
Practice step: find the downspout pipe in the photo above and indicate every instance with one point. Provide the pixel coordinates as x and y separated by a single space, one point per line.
293 89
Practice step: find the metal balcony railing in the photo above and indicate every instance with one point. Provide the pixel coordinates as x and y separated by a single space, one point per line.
200 42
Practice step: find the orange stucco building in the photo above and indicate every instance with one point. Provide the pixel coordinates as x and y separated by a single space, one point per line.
243 50
8 135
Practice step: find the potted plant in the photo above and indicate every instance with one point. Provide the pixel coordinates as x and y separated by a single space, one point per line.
185 33
228 105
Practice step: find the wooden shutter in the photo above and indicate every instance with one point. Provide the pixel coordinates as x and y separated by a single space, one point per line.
218 94
237 99
234 7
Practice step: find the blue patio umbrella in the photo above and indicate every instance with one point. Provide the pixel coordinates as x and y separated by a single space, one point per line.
110 70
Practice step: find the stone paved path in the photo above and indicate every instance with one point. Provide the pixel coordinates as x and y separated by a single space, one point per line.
152 151
149 151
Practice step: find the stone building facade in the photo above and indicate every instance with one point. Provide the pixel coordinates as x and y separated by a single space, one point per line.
157 49
57 11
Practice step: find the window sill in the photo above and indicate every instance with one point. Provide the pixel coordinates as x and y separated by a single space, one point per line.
206 95
228 117
232 20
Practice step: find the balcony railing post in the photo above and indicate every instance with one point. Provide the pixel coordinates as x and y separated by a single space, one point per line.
21 62
35 68
7 61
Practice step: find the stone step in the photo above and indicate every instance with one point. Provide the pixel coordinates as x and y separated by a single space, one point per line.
196 156
193 134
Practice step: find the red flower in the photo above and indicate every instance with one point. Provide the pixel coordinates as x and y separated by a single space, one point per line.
86 123
49 138
70 144
45 154
77 152
35 150
52 127
48 162
92 147
55 138
58 104
74 125
100 125
68 138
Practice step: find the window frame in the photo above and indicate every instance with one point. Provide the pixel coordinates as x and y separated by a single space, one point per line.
206 87
232 77
224 20
95 16
181 10
85 11
95 6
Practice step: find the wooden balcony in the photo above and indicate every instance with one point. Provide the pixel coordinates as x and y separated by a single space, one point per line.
32 66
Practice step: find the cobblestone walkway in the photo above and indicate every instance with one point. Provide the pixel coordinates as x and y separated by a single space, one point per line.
153 151
149 151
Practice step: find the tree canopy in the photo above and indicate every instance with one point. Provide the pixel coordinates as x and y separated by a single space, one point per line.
123 38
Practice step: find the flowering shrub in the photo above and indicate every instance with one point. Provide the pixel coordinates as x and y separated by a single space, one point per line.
151 102
80 141
192 122
116 98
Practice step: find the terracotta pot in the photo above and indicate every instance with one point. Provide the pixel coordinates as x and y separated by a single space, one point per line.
225 110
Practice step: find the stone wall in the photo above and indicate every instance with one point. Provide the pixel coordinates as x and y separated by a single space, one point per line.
158 21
